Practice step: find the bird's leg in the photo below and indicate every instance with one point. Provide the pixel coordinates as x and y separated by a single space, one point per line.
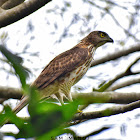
69 97
60 95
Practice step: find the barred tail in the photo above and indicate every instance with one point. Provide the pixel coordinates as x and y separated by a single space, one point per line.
21 105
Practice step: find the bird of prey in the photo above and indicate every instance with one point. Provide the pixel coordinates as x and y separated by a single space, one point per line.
67 69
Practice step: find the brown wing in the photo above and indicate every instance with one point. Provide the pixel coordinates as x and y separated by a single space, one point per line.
60 65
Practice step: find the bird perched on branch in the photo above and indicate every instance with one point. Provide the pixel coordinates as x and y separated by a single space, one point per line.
67 69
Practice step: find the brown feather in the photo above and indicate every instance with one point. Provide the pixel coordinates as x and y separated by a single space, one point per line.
61 65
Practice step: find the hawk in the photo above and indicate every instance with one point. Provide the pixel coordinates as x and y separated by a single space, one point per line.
67 69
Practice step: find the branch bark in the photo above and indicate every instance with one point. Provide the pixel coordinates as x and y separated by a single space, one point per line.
80 117
8 93
10 16
107 97
2 2
8 4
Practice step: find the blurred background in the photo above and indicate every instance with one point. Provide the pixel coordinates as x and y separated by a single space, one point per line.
60 25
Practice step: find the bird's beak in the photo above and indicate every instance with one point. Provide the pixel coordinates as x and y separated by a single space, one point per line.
110 40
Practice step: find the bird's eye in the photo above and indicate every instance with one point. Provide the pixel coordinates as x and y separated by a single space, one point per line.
102 35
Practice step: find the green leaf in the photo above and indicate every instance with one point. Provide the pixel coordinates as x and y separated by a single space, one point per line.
8 114
48 119
16 63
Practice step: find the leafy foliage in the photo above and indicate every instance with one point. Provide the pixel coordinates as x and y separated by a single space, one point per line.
16 63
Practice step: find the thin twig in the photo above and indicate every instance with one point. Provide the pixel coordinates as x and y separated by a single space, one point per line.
127 72
124 84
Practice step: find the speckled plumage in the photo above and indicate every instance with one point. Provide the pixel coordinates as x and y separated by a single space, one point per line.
68 68
63 72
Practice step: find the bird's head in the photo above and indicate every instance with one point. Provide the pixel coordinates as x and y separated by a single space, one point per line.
97 38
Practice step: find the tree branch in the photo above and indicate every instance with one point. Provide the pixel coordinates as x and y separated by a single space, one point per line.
2 2
81 117
124 84
127 72
26 8
8 4
116 55
107 97
8 93
93 97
